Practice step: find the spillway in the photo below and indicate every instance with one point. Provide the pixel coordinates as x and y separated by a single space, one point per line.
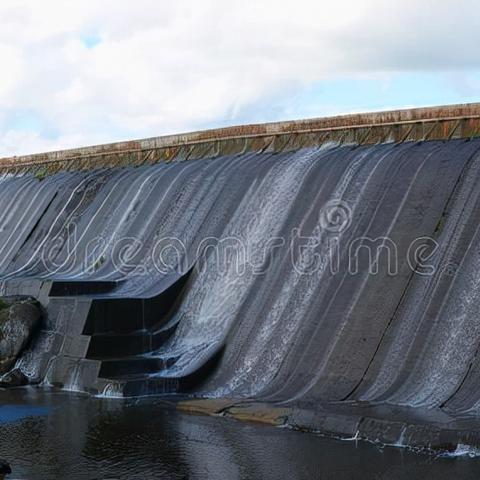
336 277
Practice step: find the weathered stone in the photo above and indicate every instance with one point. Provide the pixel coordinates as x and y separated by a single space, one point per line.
18 320
14 378
35 360
206 406
259 413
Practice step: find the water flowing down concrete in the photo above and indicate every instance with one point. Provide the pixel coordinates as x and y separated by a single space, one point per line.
338 275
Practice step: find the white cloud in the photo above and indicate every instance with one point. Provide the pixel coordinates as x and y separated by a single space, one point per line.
163 67
11 57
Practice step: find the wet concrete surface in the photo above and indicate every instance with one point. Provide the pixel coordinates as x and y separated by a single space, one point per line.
57 435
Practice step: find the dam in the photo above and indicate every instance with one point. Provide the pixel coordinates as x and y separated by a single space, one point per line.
320 274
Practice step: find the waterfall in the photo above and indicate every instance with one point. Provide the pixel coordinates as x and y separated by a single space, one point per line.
303 273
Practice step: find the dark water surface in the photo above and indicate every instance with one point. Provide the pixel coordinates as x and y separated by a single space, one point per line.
56 435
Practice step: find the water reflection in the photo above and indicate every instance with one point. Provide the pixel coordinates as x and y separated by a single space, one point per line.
53 435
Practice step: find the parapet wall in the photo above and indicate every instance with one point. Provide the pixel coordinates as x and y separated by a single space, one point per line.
418 124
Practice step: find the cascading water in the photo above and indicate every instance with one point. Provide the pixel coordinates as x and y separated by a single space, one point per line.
307 275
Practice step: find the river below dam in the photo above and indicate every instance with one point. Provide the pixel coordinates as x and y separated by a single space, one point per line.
47 434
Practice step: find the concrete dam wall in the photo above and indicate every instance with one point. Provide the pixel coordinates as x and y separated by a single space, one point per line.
335 286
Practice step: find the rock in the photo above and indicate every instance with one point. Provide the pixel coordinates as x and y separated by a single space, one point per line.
5 469
18 320
14 378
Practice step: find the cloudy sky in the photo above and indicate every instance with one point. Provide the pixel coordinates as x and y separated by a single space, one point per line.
76 73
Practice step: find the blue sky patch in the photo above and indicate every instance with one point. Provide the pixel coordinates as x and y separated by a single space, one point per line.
91 40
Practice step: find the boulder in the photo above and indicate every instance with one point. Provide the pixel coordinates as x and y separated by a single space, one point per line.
19 319
5 469
14 378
